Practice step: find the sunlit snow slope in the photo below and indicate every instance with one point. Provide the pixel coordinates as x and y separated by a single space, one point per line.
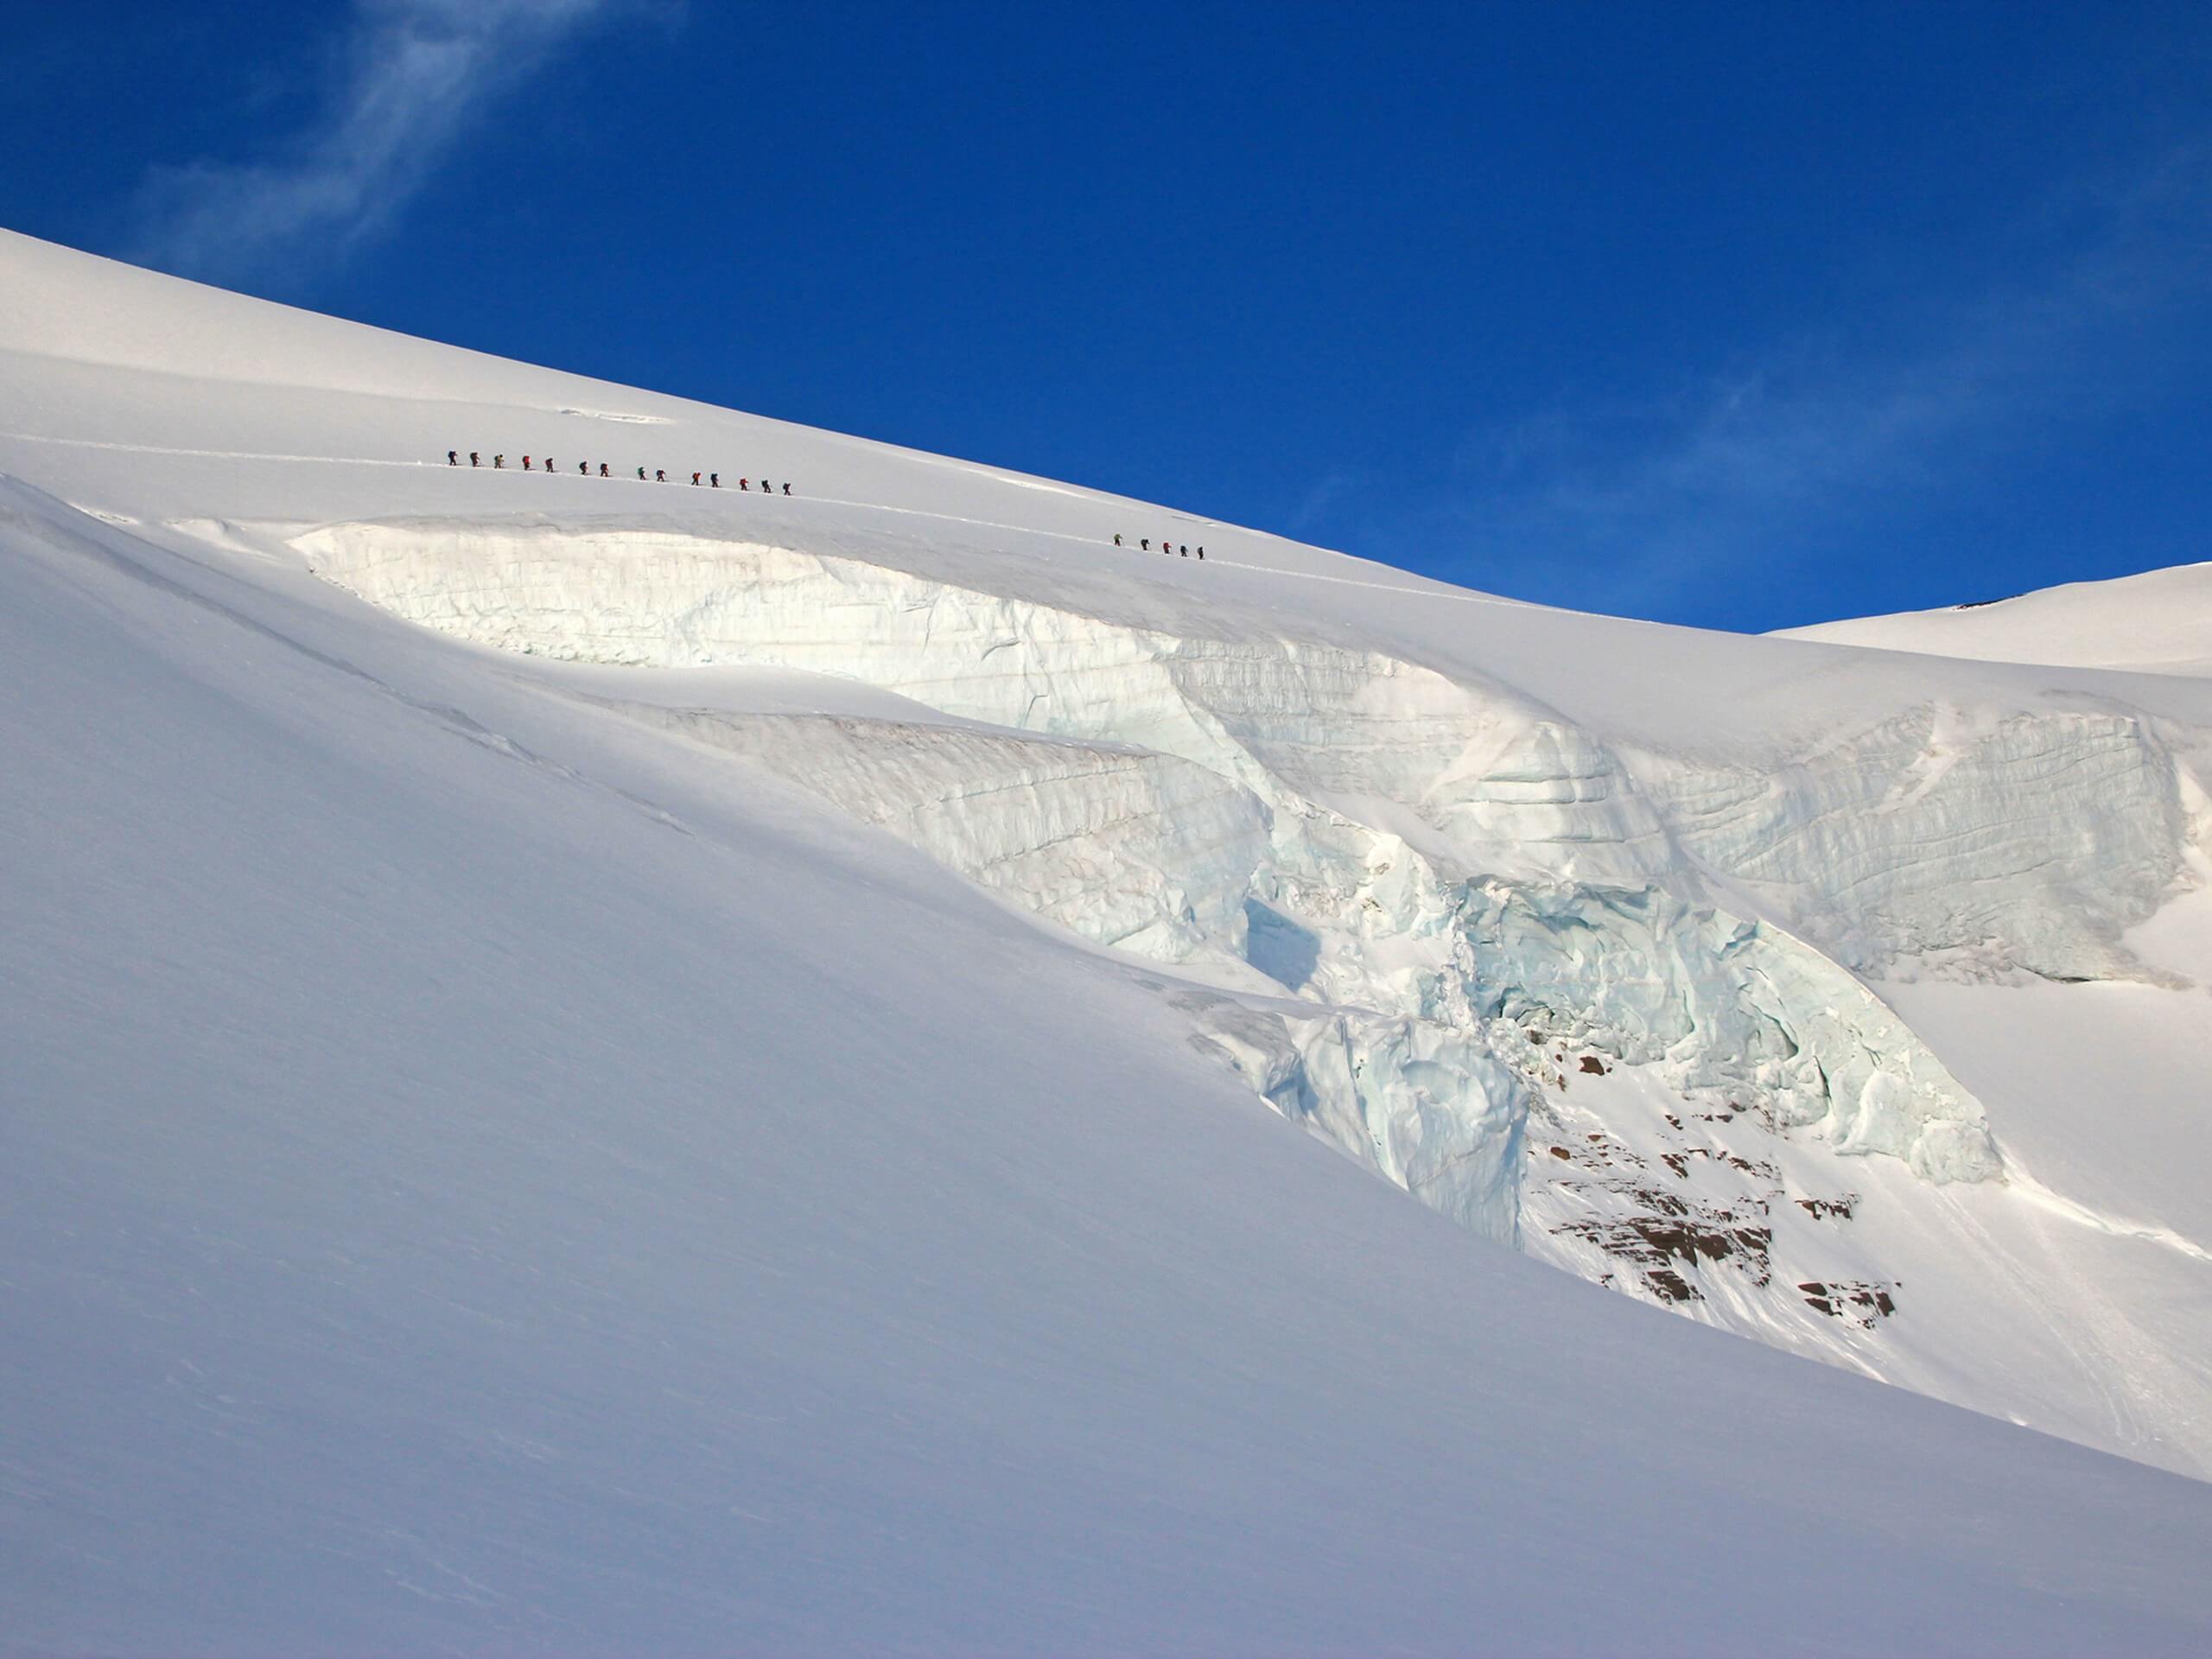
718 1093
2159 622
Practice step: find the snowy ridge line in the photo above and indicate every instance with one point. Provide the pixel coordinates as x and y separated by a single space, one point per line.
1461 595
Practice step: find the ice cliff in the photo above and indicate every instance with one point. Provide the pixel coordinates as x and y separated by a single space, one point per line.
1426 861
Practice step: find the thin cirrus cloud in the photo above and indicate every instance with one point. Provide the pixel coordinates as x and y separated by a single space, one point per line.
412 74
1653 496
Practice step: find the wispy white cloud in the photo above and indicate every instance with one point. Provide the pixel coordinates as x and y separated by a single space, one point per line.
1321 498
410 75
1653 495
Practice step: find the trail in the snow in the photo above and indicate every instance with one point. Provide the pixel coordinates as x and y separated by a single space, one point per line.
1456 596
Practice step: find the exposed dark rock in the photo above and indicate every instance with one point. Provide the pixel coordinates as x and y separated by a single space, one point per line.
1679 1234
1863 1305
1823 1209
1765 1171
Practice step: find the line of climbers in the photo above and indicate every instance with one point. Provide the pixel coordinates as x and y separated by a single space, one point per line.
583 470
714 482
1145 542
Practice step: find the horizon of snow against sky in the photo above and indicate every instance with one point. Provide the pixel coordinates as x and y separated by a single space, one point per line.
1751 320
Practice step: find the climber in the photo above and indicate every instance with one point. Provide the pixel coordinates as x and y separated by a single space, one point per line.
602 469
472 459
714 480
452 457
659 476
1117 539
500 462
787 486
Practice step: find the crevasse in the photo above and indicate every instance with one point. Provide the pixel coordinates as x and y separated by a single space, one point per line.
1419 860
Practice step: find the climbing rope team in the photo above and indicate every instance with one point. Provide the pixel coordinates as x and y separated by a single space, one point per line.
714 482
1145 542
529 464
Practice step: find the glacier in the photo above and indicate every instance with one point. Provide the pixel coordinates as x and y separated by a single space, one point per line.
1430 898
1544 885
1428 902
723 1022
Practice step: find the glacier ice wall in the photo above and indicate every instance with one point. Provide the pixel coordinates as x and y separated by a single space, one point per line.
1426 859
1127 846
2028 841
1726 1008
1429 1108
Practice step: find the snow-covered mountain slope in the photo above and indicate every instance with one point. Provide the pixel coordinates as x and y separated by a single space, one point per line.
2159 622
508 1148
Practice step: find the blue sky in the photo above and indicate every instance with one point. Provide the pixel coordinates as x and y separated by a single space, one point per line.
1743 316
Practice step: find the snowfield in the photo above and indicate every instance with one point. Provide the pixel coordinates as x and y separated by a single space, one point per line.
602 1066
2155 622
